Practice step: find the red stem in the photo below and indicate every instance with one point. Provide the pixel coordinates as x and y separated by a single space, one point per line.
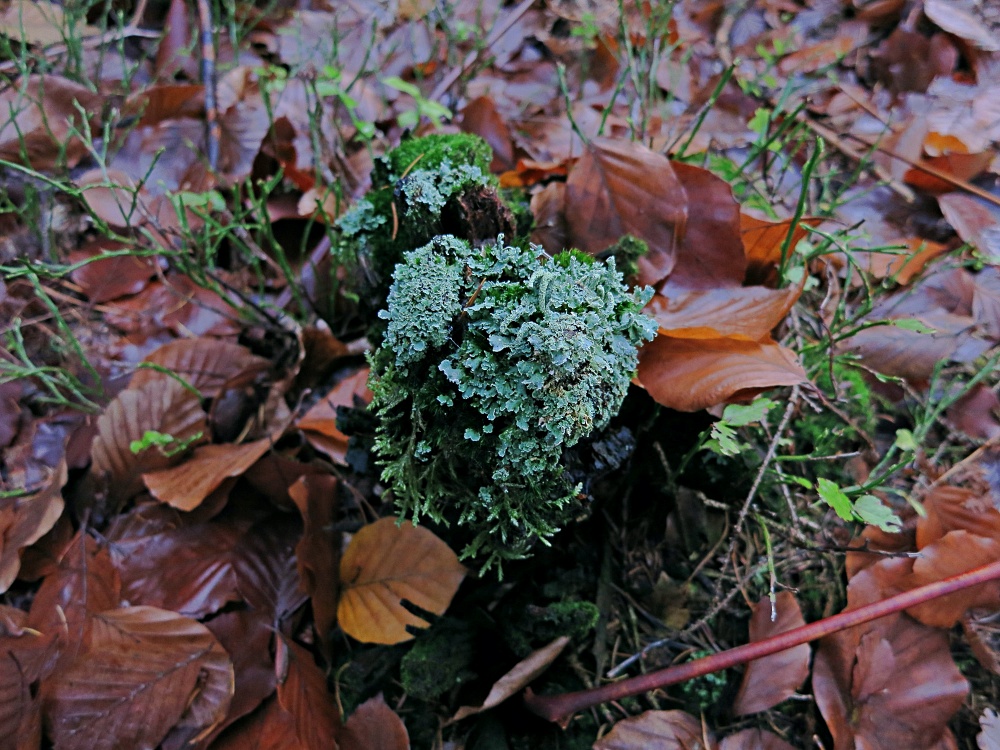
560 708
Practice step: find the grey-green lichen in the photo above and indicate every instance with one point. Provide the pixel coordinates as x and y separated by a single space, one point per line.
494 361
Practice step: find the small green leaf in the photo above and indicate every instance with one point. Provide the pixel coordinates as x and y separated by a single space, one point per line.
723 440
905 440
738 415
835 498
871 510
912 324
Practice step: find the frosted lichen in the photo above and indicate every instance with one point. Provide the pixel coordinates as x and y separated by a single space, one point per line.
494 361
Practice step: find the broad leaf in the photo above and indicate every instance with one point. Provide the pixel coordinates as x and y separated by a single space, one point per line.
25 520
664 730
386 563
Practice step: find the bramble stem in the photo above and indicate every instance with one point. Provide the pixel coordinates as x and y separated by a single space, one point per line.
559 708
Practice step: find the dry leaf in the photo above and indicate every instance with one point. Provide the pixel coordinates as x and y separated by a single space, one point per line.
374 726
205 364
386 563
618 188
187 485
689 375
303 693
747 313
146 670
40 22
664 730
768 681
320 423
24 520
165 407
754 739
519 677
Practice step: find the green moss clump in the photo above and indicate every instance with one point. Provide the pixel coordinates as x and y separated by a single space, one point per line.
536 626
438 184
438 661
493 363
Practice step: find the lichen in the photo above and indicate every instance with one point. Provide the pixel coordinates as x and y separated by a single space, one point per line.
494 361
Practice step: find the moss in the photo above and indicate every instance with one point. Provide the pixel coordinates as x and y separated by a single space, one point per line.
493 363
439 660
535 626
430 153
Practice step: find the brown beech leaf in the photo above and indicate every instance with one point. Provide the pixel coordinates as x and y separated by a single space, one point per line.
621 187
25 658
24 520
386 563
204 363
374 726
976 222
982 630
964 23
763 240
107 278
84 584
754 739
40 22
956 508
246 636
318 552
954 553
166 407
320 423
748 313
268 728
770 680
664 730
519 677
710 252
689 375
39 116
890 683
146 670
303 693
186 485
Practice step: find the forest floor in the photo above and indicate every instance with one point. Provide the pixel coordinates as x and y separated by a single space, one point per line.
196 544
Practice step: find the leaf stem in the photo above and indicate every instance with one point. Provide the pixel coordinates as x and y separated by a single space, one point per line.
560 708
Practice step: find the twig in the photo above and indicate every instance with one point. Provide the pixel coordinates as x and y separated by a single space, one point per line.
213 127
560 708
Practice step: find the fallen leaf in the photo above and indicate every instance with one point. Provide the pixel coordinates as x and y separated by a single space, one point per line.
303 693
745 313
320 423
106 278
519 677
975 221
982 630
165 407
24 520
268 728
146 670
890 683
25 658
186 485
963 23
374 726
754 739
956 552
956 508
386 563
205 364
40 22
619 188
989 738
763 240
689 375
318 552
768 681
664 730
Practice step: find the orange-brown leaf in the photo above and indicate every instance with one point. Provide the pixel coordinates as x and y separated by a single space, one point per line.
666 730
386 563
203 363
689 375
303 693
374 726
146 670
621 187
25 520
748 313
770 680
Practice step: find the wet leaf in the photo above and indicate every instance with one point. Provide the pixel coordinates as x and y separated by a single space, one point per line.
770 680
754 739
689 375
745 313
386 563
186 485
519 677
956 552
205 364
666 730
165 407
318 552
619 188
146 670
374 726
24 520
303 693
39 118
887 684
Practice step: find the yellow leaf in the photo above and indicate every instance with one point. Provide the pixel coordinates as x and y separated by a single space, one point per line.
386 563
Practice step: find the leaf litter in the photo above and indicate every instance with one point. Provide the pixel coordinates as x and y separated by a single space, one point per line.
196 548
